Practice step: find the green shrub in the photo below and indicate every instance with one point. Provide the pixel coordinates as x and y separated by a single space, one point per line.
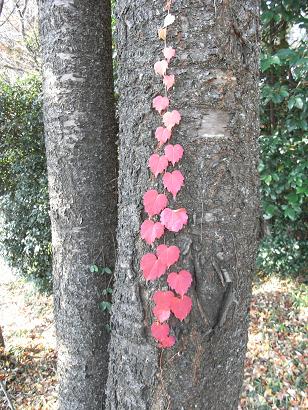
25 226
284 125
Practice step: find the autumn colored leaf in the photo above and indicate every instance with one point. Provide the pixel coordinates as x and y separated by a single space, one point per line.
169 53
162 33
167 342
162 135
181 307
180 282
152 267
169 19
169 81
173 182
168 5
154 202
160 67
160 331
163 298
174 220
174 153
168 255
161 314
171 118
160 103
150 231
158 164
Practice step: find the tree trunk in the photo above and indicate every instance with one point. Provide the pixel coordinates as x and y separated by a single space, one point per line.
216 91
1 339
81 158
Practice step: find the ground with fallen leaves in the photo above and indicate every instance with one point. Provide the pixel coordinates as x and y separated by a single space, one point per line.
275 365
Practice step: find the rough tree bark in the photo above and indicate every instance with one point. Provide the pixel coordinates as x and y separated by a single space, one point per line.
81 155
1 339
217 94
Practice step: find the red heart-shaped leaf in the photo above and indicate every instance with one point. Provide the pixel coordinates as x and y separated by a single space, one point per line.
174 153
154 202
160 103
163 301
173 182
162 135
167 342
150 231
171 118
152 267
181 307
169 53
161 314
160 67
160 331
168 255
174 220
158 164
169 81
180 282
163 298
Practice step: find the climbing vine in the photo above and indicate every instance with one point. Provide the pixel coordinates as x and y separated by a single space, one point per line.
161 217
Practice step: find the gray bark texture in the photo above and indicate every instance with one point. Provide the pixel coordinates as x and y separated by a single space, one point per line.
1 339
82 156
216 91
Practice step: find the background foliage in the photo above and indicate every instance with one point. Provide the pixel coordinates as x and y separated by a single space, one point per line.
25 226
283 140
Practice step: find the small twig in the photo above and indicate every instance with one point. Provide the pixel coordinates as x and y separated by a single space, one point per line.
10 404
172 357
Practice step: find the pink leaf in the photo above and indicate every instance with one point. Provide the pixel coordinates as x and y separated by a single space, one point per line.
169 53
171 118
169 81
163 298
151 230
174 220
180 282
168 255
161 314
154 202
152 267
169 19
174 153
181 307
160 331
167 342
162 135
163 301
158 164
160 67
160 103
173 182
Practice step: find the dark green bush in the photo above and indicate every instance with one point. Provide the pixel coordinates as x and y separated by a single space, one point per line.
25 227
283 140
